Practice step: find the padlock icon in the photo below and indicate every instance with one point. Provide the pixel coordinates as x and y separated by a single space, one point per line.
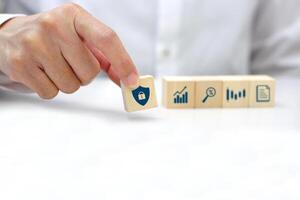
141 96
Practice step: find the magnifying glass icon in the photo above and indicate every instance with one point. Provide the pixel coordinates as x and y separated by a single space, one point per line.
210 92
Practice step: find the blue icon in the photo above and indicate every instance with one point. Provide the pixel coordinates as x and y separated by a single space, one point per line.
210 92
141 95
263 93
181 97
232 95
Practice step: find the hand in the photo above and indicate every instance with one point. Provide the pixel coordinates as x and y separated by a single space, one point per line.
61 50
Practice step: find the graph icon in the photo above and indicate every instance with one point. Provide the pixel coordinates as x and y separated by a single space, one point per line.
181 97
231 95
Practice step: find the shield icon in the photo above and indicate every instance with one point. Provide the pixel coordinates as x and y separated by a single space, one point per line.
141 95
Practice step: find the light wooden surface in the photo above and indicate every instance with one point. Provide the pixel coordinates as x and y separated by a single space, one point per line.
236 85
265 83
219 91
209 92
85 146
142 100
174 88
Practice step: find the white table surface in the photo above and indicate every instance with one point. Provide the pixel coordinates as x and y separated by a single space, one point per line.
85 146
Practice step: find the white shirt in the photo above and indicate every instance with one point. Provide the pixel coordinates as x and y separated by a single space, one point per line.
197 37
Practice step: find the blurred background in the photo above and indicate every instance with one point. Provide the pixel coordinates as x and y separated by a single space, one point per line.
197 37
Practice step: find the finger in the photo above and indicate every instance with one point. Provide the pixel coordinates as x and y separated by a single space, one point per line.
105 65
60 72
113 76
80 58
49 57
106 40
38 81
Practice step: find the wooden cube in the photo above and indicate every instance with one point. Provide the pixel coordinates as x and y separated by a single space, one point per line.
209 92
140 98
262 91
236 92
178 92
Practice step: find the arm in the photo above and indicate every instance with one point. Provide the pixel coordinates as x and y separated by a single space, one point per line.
61 50
276 38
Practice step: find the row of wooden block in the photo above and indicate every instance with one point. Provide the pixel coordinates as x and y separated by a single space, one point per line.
218 91
202 92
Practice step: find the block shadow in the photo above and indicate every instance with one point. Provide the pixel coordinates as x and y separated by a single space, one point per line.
14 98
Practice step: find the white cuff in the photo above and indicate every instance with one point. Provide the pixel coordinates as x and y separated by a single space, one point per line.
5 17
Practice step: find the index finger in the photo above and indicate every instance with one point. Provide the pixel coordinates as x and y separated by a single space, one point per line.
106 40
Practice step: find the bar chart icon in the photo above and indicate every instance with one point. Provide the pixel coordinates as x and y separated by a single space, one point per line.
232 95
181 97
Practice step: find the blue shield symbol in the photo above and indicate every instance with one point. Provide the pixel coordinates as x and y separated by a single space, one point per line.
141 95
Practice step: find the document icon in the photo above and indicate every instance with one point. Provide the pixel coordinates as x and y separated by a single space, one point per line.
263 93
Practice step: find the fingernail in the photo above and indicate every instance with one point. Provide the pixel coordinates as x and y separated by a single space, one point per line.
131 81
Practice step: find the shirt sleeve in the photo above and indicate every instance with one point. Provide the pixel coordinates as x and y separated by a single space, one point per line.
276 38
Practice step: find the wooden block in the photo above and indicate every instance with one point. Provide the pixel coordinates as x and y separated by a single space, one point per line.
236 92
141 98
178 92
262 91
209 92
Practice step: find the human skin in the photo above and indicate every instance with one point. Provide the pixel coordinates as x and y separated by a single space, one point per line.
61 50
